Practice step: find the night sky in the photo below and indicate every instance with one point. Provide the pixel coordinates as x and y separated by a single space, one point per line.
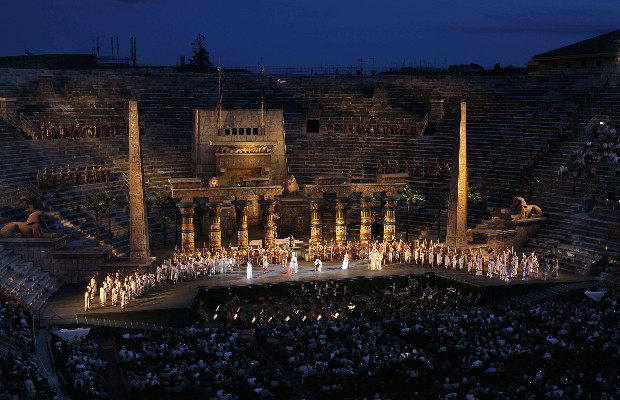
289 33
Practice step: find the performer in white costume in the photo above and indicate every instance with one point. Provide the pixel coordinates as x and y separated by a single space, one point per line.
318 265
345 261
249 269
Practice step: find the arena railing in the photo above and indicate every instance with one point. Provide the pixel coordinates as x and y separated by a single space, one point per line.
114 323
8 342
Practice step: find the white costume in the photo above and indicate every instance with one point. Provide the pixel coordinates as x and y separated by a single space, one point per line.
295 264
249 270
318 265
345 261
102 296
86 300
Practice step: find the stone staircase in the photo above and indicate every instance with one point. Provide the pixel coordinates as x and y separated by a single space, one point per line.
554 290
24 281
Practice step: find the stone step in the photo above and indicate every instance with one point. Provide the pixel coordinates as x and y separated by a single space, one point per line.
26 272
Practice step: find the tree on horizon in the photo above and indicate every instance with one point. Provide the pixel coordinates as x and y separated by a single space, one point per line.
200 56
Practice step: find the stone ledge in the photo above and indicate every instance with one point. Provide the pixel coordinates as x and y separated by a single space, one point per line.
91 251
29 242
120 263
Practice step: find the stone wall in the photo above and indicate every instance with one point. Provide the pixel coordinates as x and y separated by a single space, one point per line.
79 265
513 237
51 255
294 213
249 156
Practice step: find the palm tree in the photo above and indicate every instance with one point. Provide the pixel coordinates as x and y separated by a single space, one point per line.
164 200
94 202
473 193
439 199
108 201
125 201
410 196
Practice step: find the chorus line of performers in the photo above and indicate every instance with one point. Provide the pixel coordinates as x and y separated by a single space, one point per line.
71 177
424 169
391 168
392 252
117 288
505 264
375 128
49 131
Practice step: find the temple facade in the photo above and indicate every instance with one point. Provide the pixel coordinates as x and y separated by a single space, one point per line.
239 146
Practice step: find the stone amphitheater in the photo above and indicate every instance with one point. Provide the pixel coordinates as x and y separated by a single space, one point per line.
521 129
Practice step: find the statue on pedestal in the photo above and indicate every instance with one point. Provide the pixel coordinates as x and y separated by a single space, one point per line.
520 210
290 187
34 227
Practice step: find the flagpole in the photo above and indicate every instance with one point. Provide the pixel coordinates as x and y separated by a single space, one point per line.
262 101
219 110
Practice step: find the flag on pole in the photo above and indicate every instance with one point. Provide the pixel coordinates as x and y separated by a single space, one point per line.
262 89
218 108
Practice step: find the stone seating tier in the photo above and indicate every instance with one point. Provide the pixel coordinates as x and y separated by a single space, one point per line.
24 281
509 115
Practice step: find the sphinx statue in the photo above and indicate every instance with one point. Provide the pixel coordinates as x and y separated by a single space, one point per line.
34 227
290 186
520 210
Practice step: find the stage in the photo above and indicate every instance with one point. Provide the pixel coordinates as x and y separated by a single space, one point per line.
68 302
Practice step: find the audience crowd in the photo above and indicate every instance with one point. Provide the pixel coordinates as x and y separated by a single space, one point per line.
426 342
20 376
206 362
81 367
583 162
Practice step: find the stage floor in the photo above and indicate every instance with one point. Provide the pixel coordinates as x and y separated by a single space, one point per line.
68 302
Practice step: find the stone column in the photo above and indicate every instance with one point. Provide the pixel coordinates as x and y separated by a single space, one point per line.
7 108
389 218
341 220
365 220
316 221
139 251
187 225
268 207
215 226
241 207
456 235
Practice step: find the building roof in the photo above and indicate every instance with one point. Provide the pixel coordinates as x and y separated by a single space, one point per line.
607 43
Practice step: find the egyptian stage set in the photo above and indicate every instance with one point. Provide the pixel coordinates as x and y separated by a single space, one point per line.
241 177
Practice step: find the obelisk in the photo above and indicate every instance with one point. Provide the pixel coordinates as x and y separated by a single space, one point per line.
456 235
139 251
